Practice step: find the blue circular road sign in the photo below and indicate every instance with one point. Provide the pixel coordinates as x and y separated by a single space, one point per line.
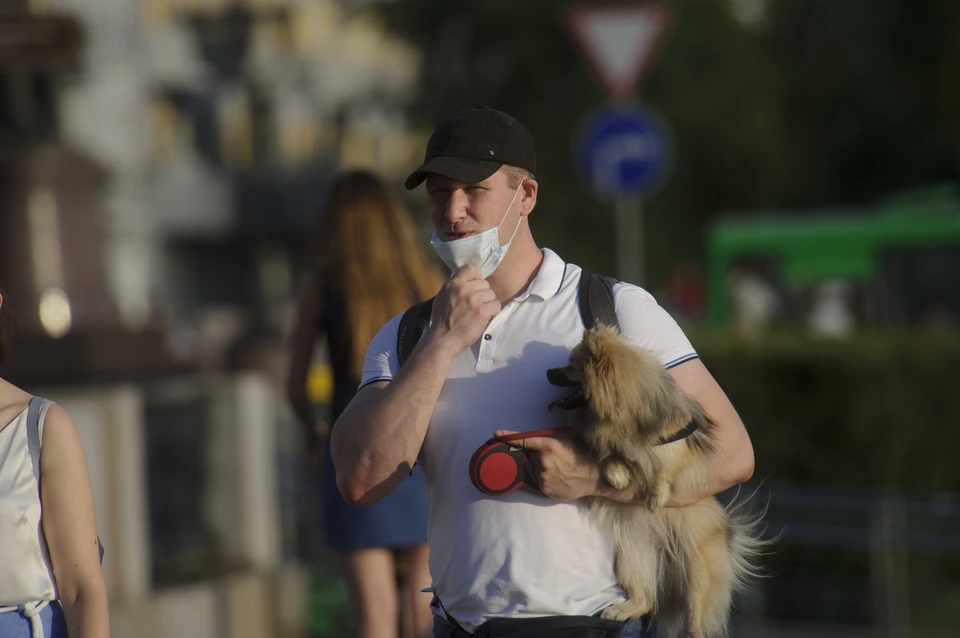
624 151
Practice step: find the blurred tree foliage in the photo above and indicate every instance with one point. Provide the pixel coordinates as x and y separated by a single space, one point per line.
818 102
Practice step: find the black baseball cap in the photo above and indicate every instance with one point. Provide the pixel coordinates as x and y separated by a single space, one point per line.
473 144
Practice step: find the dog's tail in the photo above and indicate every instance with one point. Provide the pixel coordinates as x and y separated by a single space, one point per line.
747 541
746 544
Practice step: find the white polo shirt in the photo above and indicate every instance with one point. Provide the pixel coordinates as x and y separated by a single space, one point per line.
521 554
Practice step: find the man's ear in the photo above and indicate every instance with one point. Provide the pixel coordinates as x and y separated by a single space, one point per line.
528 194
1 300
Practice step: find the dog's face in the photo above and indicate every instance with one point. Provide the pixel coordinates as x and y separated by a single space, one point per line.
570 376
618 384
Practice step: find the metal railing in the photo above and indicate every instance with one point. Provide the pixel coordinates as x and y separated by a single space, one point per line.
872 536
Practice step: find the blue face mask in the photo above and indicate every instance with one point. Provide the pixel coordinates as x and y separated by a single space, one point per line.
483 250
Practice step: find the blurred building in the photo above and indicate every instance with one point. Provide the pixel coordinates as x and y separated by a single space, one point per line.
213 126
162 165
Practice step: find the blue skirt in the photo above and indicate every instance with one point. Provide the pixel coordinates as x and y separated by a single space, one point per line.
399 520
15 625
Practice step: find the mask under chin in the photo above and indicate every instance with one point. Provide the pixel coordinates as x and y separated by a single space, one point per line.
482 250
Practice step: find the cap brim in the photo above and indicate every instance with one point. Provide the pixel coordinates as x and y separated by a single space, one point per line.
467 171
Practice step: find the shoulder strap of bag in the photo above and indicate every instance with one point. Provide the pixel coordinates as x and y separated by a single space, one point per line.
412 325
595 298
36 413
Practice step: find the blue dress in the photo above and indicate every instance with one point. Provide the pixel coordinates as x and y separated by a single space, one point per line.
400 519
14 624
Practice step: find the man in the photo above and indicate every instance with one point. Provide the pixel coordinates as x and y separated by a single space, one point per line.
508 313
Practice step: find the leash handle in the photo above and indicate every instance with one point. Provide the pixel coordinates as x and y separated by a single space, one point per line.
529 435
498 467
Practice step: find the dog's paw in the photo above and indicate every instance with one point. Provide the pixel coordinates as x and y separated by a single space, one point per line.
631 608
658 498
663 495
617 475
652 502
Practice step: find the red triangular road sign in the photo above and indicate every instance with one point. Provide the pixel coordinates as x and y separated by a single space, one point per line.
619 42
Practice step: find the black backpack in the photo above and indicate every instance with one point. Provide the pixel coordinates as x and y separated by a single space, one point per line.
594 296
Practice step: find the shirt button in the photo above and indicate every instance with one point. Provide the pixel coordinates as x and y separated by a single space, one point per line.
487 337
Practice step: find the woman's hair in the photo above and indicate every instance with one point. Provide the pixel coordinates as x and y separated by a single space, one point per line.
4 328
369 254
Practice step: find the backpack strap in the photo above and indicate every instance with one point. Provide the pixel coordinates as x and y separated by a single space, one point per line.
36 413
412 325
595 298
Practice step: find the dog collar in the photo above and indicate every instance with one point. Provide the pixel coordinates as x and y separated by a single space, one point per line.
689 429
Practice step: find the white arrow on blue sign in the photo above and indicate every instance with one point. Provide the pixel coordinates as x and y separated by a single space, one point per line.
625 150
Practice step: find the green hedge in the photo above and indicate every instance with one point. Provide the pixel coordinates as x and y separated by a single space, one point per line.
874 411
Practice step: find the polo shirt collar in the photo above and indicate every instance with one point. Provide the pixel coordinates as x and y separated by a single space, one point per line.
549 278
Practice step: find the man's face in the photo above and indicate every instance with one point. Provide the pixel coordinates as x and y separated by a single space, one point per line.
459 210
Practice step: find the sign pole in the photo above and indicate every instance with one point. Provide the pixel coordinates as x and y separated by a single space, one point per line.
630 240
626 150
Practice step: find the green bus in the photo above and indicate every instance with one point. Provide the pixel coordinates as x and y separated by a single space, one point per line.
900 259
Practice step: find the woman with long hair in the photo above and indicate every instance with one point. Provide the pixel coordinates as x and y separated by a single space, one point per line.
51 583
369 266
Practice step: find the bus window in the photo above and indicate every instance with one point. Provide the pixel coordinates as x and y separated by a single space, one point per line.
922 287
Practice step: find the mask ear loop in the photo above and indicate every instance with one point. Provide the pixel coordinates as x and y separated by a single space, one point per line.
507 212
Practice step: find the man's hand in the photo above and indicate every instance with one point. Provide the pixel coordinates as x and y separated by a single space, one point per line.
562 469
462 309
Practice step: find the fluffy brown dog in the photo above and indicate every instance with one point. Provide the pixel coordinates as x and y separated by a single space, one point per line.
680 563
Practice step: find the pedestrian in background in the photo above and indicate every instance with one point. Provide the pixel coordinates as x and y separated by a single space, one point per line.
51 583
369 265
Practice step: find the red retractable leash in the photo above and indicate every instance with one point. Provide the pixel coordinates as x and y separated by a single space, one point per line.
497 467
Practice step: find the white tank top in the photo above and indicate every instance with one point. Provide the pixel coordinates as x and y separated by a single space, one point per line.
25 571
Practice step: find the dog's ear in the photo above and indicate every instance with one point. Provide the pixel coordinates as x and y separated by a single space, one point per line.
590 340
588 349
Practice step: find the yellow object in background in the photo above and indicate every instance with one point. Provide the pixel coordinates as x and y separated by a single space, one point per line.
320 383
